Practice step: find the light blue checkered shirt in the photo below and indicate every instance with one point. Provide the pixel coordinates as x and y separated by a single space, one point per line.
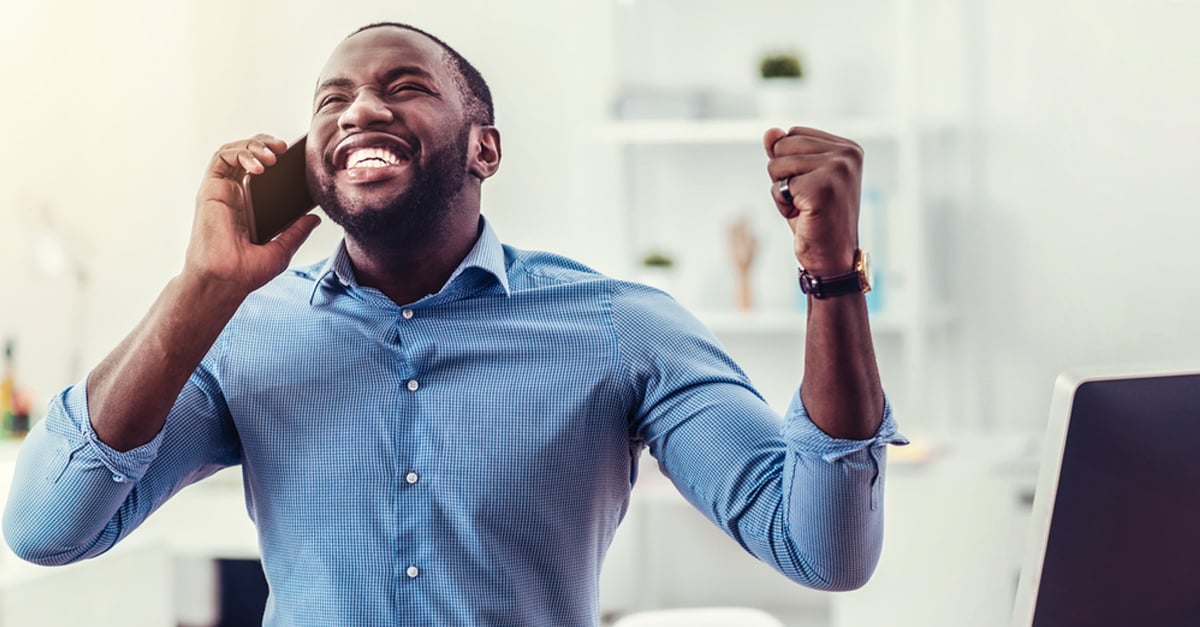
465 459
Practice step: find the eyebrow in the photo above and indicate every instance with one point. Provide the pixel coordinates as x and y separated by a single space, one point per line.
387 77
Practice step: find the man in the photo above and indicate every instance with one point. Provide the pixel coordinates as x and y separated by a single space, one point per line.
434 428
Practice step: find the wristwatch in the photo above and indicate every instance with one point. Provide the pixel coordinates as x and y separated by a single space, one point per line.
857 281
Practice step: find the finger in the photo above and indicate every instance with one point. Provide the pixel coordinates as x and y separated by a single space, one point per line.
816 133
224 164
795 165
249 162
772 136
234 163
786 208
803 144
270 141
227 162
293 236
262 152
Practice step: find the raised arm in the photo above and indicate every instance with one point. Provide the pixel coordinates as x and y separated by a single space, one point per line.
822 176
804 496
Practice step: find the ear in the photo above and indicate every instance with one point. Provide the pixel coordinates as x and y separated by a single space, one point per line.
483 151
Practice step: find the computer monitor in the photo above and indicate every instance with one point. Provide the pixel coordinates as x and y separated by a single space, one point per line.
1115 535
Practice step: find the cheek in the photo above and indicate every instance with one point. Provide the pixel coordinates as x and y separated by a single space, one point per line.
320 132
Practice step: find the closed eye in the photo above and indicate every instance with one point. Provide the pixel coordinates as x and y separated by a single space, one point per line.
403 87
331 99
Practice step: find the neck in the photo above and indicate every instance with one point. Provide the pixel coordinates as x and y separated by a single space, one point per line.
408 271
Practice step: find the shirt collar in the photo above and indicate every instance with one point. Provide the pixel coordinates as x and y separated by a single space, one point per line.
487 255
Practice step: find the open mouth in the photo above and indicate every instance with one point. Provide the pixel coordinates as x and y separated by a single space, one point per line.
371 151
372 157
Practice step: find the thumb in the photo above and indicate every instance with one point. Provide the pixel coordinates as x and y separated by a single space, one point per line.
291 238
770 137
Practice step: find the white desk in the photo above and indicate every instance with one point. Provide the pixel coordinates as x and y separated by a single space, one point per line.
954 538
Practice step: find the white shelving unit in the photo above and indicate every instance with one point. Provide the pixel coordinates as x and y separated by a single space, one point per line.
682 207
739 131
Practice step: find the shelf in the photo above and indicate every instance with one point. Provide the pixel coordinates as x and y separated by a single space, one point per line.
709 131
782 322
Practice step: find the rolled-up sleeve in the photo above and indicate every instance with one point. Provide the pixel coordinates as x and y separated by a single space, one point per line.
833 493
74 497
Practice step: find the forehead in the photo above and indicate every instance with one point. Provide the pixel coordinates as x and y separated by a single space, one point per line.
382 48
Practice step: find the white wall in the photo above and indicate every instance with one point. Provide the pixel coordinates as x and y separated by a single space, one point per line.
97 112
1082 247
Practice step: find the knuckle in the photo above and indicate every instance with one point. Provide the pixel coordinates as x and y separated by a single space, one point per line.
825 193
854 152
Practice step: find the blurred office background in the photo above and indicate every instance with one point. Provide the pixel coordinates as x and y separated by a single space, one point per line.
1030 194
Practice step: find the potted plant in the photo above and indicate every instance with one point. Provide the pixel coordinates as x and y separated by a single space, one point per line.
781 87
785 65
658 270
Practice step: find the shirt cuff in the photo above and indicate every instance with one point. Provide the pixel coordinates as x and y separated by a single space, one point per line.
125 466
808 438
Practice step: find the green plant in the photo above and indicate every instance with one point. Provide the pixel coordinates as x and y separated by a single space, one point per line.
781 65
657 259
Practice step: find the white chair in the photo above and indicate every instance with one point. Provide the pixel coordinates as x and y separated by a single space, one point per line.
701 617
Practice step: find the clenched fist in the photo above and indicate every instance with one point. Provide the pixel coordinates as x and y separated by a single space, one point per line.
816 183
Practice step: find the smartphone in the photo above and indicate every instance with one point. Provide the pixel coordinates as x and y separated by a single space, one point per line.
279 196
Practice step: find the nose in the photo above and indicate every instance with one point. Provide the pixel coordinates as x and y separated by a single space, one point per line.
366 111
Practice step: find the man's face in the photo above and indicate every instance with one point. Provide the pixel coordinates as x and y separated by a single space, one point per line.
388 139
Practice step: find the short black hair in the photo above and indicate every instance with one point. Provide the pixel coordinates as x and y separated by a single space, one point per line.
476 95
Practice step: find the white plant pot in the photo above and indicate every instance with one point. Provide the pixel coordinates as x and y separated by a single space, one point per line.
784 99
663 278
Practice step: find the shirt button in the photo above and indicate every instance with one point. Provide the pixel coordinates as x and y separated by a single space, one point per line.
412 572
407 313
411 477
413 385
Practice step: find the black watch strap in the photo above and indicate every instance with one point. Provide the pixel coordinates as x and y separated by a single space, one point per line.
828 287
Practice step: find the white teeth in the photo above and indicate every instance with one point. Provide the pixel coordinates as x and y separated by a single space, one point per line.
371 157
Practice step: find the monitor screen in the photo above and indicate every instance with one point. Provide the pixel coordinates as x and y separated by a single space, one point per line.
1116 538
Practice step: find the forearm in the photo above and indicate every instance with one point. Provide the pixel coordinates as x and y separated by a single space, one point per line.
841 388
130 392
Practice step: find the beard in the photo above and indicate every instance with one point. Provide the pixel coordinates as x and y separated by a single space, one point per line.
414 216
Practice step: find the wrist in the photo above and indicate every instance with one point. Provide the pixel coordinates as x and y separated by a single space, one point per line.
207 293
856 280
828 264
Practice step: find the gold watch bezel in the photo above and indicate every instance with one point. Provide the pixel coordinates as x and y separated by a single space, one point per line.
865 269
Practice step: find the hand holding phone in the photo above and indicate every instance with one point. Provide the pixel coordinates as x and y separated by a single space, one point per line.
279 196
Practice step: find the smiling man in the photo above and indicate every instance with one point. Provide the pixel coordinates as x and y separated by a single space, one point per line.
439 429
